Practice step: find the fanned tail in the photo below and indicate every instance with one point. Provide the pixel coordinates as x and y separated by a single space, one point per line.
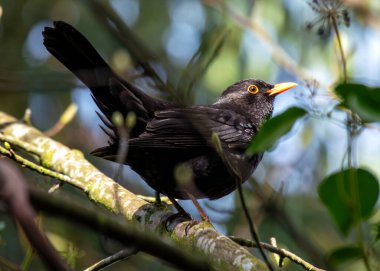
110 92
75 52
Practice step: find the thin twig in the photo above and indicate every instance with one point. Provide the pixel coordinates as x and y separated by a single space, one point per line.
8 264
137 49
279 251
27 118
20 143
351 133
121 255
40 169
265 195
65 118
235 173
341 52
279 54
252 227
26 163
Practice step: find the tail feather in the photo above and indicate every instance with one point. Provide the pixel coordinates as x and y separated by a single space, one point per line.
110 92
74 51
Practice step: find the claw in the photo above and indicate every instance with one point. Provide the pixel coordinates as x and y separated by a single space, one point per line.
191 224
175 219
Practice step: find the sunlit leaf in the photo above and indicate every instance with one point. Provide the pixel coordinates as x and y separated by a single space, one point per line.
363 100
344 254
350 196
273 129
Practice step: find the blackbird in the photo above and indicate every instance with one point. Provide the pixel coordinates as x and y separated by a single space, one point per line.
169 138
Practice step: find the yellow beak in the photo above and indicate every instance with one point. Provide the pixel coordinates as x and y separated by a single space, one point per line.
281 87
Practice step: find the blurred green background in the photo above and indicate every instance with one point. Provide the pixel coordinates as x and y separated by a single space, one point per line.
283 196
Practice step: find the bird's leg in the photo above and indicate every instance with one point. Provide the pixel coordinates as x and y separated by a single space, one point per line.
199 207
158 198
179 208
181 216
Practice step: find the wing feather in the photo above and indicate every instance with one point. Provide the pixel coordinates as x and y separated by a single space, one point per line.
192 127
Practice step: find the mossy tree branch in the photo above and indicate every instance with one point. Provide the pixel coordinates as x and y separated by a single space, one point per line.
53 157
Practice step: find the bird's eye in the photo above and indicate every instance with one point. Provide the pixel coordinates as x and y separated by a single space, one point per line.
253 89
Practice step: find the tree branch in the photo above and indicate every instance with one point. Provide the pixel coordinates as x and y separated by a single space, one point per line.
283 253
278 53
14 194
104 191
117 228
118 256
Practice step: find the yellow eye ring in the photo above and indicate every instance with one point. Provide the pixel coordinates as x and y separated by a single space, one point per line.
253 89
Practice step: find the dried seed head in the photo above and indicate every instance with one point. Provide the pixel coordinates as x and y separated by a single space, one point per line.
321 31
330 12
346 17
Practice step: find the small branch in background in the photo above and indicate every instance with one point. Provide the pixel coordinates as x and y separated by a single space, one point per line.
28 257
278 213
65 118
14 194
283 253
330 14
118 229
55 187
30 148
252 229
340 47
279 258
119 256
8 265
278 53
140 54
8 151
27 116
123 125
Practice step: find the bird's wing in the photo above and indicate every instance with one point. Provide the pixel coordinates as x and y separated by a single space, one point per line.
193 127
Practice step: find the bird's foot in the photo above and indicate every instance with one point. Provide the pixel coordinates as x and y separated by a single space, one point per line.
202 213
191 224
175 219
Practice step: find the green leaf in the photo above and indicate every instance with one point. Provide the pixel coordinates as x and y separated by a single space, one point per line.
273 129
350 196
363 100
376 227
344 254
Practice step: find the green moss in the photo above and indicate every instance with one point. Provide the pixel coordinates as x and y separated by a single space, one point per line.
78 153
46 158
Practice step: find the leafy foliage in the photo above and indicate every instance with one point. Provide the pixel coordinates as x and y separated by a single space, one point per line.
344 254
350 196
275 128
363 100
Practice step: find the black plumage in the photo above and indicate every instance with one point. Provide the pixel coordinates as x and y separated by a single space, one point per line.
167 134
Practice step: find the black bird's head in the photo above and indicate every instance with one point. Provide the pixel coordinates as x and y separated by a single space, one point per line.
253 98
